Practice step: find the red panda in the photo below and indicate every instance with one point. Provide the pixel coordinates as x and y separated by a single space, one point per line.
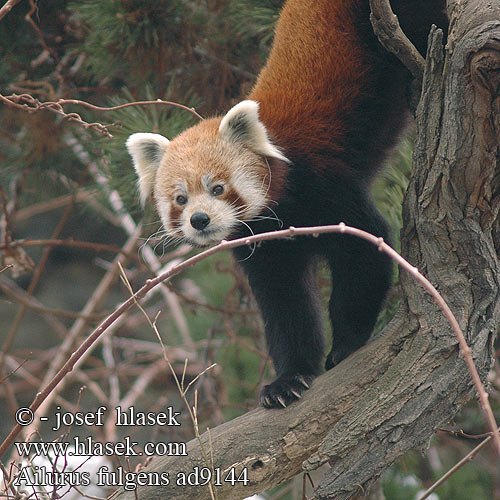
301 150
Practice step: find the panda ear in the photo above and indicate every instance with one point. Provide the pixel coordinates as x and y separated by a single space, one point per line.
242 125
147 151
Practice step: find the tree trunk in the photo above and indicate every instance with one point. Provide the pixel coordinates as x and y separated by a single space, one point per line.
391 395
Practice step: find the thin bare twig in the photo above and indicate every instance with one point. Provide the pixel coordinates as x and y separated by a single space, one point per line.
27 301
53 204
114 386
238 340
96 247
463 434
29 20
31 379
7 480
76 331
62 102
30 104
183 390
282 234
457 466
8 7
5 222
198 303
31 288
141 383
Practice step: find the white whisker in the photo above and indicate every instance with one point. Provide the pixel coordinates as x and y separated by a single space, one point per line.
254 244
270 178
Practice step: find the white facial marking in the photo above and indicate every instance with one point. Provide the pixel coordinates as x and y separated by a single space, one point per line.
251 189
163 208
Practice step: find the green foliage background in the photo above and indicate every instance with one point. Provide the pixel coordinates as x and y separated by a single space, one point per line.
204 54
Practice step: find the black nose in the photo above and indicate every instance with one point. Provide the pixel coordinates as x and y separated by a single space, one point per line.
199 220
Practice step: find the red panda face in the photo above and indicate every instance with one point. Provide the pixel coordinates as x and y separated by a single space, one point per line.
211 179
206 188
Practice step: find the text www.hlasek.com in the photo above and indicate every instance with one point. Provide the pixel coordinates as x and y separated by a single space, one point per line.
90 447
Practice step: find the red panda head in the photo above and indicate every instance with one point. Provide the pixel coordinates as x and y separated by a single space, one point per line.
211 178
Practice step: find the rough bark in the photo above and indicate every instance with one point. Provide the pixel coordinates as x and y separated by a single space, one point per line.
390 396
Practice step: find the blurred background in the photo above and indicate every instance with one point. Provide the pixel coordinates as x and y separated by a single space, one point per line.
70 218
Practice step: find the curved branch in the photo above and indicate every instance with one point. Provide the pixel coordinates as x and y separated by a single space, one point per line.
30 104
386 26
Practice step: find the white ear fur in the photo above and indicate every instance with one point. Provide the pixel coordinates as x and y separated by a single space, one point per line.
241 124
147 151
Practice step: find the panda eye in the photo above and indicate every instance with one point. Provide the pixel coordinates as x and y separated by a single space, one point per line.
181 199
217 190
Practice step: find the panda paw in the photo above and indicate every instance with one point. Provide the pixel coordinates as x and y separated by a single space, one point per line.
284 390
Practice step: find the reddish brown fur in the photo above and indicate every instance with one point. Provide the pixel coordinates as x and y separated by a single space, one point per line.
175 215
233 198
318 71
312 60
